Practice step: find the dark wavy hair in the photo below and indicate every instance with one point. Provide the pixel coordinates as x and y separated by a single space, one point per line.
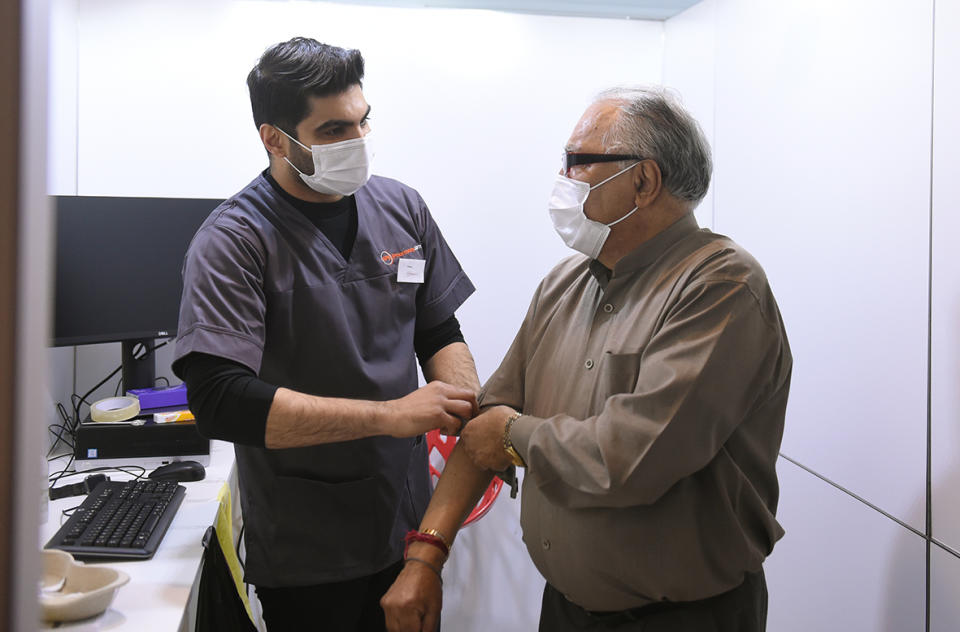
290 72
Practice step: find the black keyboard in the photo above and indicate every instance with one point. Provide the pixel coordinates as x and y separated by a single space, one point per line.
120 520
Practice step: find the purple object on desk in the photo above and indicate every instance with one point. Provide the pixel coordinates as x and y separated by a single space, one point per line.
160 397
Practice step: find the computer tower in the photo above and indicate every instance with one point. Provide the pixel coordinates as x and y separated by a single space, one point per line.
148 445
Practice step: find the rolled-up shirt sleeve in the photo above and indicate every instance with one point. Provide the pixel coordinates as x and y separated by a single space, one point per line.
699 377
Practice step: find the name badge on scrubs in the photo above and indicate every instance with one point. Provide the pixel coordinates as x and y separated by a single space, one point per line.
410 270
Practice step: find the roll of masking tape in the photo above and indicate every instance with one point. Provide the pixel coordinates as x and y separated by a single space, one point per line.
115 409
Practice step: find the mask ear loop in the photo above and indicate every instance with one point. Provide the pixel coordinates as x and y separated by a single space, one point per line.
611 177
297 142
615 222
293 139
293 165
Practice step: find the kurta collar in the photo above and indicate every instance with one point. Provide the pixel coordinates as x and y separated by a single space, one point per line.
649 251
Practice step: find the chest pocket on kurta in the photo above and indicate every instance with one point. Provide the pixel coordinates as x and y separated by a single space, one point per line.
619 372
624 348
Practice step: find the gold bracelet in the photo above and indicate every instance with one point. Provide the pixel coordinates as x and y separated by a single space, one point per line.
436 534
515 457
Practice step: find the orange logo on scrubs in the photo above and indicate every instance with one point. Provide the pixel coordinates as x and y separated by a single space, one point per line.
388 257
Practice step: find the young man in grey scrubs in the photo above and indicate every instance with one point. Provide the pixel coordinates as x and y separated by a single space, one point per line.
308 298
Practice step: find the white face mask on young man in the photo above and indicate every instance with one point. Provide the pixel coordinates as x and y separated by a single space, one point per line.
338 168
566 210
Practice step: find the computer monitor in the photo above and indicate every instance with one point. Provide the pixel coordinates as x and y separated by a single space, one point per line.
118 273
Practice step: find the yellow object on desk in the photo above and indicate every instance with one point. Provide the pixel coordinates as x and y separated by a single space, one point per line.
172 417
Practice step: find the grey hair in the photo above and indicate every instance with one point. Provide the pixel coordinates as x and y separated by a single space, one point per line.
652 123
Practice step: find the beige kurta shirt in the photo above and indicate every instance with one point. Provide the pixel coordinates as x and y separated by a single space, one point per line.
653 402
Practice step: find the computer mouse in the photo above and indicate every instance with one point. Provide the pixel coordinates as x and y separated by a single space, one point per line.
179 471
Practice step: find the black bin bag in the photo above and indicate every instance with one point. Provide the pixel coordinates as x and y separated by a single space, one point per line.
219 606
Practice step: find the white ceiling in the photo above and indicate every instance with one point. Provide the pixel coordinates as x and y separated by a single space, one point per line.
632 9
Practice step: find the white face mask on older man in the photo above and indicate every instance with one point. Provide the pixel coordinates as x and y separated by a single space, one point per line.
566 210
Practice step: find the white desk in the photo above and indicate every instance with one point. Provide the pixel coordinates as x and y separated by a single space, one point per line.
161 595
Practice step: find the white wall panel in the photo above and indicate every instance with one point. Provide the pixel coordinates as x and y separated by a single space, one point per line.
841 566
62 99
944 591
689 54
94 363
823 158
945 316
61 176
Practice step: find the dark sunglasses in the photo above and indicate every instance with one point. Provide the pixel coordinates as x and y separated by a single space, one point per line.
571 159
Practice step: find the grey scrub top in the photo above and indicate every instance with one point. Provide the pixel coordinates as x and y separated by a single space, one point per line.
265 288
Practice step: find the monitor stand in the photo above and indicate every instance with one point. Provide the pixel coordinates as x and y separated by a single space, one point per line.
139 364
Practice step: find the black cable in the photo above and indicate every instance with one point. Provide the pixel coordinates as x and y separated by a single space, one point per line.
139 473
83 398
65 420
75 404
62 472
164 378
70 425
63 413
66 513
63 432
58 435
243 566
136 471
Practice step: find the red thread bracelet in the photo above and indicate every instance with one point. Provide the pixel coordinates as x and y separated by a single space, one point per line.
417 536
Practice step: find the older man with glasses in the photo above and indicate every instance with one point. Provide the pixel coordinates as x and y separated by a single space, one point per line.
644 394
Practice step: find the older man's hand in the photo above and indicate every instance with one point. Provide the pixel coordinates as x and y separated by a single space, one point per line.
413 602
482 438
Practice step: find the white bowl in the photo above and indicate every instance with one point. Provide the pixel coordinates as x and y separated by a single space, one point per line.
84 591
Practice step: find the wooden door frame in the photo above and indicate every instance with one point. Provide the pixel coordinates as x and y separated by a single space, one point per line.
10 51
25 251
